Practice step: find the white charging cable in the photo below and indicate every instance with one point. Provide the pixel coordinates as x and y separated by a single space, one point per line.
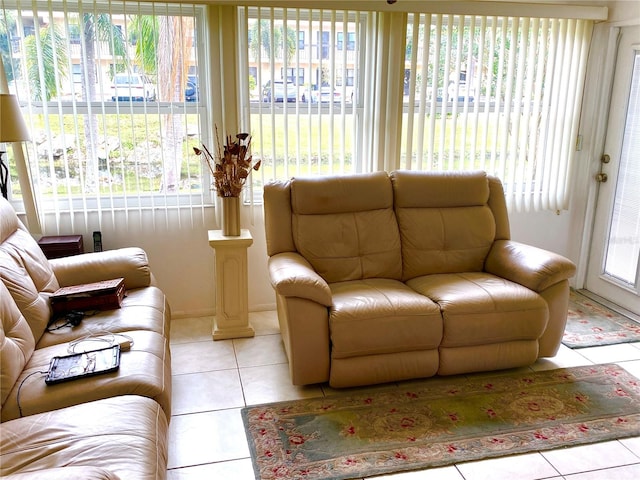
84 344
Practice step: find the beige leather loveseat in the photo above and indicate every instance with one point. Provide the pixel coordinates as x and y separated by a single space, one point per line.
384 277
108 426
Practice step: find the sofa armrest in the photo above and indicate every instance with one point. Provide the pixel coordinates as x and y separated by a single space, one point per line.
131 263
292 276
533 267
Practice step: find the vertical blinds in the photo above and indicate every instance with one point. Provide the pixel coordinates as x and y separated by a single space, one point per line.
303 68
322 91
110 91
500 94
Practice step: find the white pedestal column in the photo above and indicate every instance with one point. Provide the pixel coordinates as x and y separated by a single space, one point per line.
232 295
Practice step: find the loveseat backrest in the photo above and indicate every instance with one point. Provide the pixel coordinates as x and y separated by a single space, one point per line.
16 343
25 271
447 220
345 226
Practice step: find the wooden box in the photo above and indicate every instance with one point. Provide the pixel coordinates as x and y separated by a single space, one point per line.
105 295
61 245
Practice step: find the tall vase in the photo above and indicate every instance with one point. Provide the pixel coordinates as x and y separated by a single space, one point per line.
230 216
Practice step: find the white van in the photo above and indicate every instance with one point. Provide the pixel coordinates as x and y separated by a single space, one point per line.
136 87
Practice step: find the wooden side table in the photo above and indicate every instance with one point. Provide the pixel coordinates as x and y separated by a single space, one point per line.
232 295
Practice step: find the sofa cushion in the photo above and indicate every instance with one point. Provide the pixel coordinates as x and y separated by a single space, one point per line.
65 473
346 226
144 370
141 309
28 276
375 316
126 435
446 224
480 308
16 343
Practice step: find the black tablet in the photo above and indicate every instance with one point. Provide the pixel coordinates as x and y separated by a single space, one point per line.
85 364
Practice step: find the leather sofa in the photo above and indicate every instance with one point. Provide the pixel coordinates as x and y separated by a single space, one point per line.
108 426
386 277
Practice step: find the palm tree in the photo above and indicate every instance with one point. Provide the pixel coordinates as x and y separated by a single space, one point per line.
11 64
263 40
163 47
96 27
52 57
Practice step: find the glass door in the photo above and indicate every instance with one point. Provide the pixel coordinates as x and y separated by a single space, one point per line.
614 262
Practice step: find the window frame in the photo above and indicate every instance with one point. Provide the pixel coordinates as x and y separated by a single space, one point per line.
87 201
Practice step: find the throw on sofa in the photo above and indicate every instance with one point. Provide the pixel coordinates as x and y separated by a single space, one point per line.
385 277
109 426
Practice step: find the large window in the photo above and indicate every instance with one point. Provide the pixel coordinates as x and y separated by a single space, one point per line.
115 95
424 91
305 125
112 95
500 94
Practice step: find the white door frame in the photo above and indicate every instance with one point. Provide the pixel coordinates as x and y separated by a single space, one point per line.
598 96
592 135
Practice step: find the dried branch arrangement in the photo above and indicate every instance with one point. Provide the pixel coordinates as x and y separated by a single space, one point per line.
231 165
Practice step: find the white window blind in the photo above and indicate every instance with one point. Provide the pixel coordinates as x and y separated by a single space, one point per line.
303 68
500 94
111 92
322 91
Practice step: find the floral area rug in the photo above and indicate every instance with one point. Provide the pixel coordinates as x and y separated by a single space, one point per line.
441 421
591 324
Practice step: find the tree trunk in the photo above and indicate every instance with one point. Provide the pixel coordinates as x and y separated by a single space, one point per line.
171 84
89 95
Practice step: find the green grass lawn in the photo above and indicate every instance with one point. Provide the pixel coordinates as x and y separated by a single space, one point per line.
287 145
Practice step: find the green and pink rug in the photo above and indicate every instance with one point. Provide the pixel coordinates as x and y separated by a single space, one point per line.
591 324
441 421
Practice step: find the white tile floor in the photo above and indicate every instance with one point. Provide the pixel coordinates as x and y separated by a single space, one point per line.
212 381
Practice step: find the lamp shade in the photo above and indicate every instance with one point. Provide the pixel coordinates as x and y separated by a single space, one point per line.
12 126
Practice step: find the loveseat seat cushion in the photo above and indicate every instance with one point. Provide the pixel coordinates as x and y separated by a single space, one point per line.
381 316
446 223
144 370
346 226
126 435
480 308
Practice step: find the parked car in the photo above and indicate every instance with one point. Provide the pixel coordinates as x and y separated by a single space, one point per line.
279 91
327 95
324 95
463 92
192 92
310 95
133 86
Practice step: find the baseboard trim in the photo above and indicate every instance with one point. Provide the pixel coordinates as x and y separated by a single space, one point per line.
211 312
